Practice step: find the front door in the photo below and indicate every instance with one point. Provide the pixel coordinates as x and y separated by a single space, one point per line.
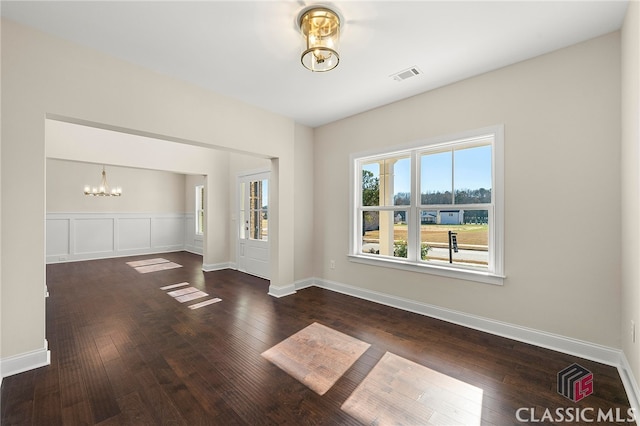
253 232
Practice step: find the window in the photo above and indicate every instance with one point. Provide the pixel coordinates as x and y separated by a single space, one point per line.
435 207
199 209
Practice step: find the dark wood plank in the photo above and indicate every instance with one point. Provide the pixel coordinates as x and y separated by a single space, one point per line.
16 401
124 352
77 414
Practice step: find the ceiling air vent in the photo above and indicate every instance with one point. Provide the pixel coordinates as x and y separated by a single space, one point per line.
405 74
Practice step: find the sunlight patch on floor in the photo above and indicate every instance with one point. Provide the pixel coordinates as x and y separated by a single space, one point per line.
317 356
399 391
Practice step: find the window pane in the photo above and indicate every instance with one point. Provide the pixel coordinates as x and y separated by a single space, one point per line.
199 209
435 178
401 175
387 182
371 184
470 228
385 233
472 175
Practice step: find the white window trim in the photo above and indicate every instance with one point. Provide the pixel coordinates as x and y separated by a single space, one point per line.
199 203
496 236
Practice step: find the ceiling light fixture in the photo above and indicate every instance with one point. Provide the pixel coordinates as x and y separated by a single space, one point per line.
103 190
320 28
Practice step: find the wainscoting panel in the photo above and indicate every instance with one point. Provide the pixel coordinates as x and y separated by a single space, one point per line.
83 236
94 235
168 231
58 243
134 233
192 243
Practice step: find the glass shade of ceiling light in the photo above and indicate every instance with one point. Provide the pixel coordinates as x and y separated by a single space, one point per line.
103 190
320 28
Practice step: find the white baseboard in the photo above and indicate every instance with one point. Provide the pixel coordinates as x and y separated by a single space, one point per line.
309 282
113 255
543 339
579 348
193 249
630 383
282 291
26 361
210 267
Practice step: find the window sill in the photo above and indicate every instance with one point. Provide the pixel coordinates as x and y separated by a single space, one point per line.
443 271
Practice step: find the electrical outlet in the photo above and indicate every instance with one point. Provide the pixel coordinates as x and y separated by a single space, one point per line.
633 331
332 264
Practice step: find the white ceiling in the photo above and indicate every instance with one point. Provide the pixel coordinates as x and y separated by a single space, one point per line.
250 50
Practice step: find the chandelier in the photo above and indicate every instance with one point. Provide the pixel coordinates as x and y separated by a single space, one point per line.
103 190
320 28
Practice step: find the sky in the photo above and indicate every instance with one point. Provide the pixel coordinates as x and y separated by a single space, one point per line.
472 170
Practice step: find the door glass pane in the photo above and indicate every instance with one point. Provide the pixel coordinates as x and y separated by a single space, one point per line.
258 209
264 210
243 216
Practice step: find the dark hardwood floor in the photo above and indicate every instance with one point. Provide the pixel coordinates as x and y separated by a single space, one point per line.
124 352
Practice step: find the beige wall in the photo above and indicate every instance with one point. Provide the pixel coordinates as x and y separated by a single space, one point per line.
631 185
304 193
1 221
144 191
561 114
45 76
